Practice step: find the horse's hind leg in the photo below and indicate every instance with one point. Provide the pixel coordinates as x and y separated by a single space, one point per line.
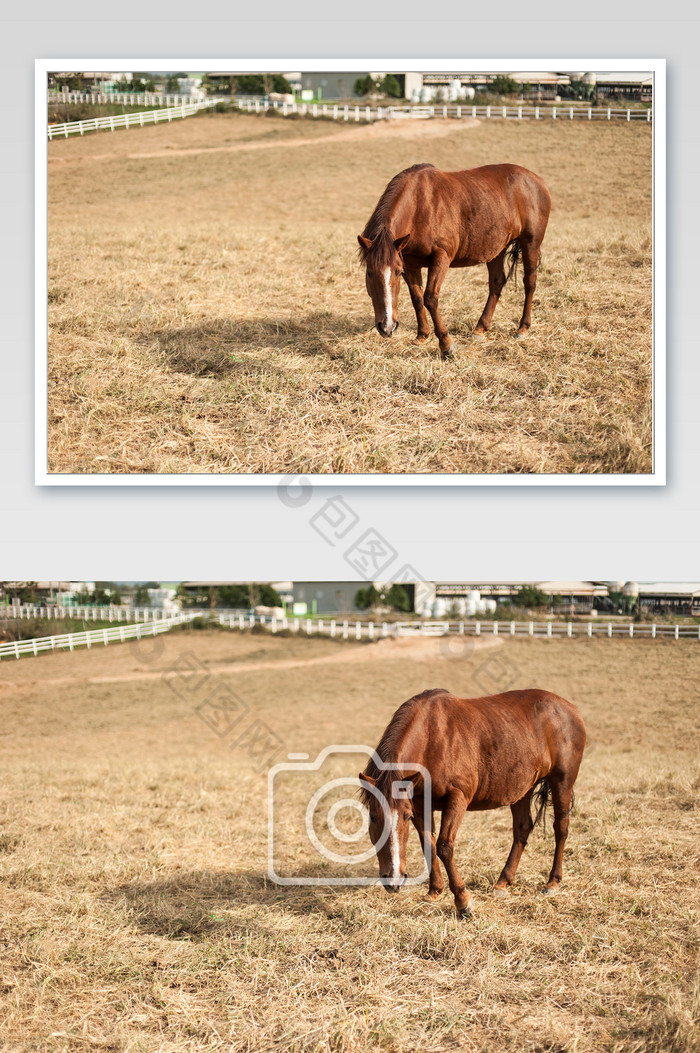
436 885
497 279
530 249
562 790
522 825
414 281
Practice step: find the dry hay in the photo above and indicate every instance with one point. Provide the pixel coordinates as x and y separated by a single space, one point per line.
207 312
135 910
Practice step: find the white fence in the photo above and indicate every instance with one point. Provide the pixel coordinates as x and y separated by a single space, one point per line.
341 112
86 614
128 120
363 630
69 641
148 98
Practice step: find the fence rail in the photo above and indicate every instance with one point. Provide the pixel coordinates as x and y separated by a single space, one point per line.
94 614
69 641
341 112
128 120
365 630
149 98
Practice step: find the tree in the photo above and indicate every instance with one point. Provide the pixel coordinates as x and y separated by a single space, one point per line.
364 86
141 597
529 596
366 598
390 86
502 85
172 85
397 597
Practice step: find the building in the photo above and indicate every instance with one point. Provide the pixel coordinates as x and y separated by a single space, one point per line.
623 86
326 597
670 597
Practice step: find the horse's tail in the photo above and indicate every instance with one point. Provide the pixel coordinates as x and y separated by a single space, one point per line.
513 256
542 796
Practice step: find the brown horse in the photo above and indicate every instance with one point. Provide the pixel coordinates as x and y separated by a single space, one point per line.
480 753
428 218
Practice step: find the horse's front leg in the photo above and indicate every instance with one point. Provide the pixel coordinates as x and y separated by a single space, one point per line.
436 273
414 281
452 816
436 885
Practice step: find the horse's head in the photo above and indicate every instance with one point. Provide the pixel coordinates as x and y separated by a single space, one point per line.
383 270
389 800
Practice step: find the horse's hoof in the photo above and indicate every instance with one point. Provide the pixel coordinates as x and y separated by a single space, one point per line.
550 891
499 893
521 336
478 336
448 353
466 913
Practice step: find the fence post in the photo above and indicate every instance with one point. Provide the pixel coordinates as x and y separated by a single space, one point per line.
332 627
549 628
358 631
531 628
345 630
473 111
590 113
653 631
554 113
537 113
495 628
477 630
608 113
370 630
520 113
676 627
488 111
512 628
590 629
609 628
16 649
70 640
632 630
571 113
628 115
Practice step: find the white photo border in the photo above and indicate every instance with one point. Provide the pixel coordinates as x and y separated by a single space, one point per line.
657 67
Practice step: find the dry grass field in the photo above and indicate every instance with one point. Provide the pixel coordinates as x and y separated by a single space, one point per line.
207 312
136 914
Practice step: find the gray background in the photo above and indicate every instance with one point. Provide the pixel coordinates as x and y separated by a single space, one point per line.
445 533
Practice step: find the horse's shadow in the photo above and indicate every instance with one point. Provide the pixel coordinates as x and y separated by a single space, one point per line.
215 347
195 904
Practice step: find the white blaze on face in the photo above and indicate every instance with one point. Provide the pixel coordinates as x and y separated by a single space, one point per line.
388 311
395 855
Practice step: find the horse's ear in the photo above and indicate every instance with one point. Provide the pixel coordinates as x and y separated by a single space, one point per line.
416 778
367 778
400 243
364 243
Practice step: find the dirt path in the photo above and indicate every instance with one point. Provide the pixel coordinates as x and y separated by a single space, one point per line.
397 129
418 649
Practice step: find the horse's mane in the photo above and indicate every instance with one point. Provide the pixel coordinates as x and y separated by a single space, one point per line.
377 226
389 744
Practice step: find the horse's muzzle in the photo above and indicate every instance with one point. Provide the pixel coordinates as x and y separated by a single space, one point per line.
388 883
383 330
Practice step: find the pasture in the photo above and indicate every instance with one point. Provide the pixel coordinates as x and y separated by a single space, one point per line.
207 312
136 914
